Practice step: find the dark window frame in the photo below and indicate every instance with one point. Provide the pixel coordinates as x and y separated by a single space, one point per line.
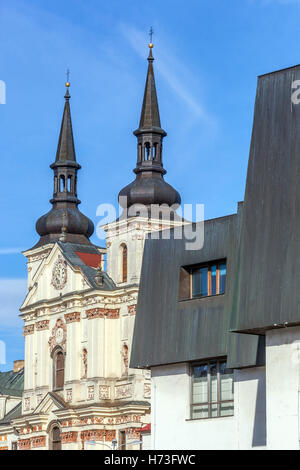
58 352
209 403
189 270
124 262
55 438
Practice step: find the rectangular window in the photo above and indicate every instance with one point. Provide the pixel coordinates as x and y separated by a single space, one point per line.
212 390
208 280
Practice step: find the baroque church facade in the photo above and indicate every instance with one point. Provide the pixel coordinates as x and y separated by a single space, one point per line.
79 312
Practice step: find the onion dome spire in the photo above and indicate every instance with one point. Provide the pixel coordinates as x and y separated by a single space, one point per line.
149 186
64 221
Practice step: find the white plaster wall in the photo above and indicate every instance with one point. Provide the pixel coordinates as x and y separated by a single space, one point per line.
29 362
172 428
146 439
250 407
42 358
7 403
135 248
282 384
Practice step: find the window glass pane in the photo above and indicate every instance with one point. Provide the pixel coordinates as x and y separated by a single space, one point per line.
204 283
226 378
196 275
226 409
200 388
56 434
214 410
59 360
213 279
212 391
222 282
199 411
213 383
59 378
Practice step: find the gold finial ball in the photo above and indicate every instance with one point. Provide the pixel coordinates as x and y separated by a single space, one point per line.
151 45
67 84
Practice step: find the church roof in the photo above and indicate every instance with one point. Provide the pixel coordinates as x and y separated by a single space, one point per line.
64 220
150 112
77 255
66 148
12 383
149 187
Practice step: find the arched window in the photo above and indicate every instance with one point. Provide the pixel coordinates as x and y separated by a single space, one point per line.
155 151
124 262
147 149
61 183
69 185
58 369
55 439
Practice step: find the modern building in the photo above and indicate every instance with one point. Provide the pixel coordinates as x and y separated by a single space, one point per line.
79 390
219 327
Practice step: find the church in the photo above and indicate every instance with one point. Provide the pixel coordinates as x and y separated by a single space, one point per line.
79 391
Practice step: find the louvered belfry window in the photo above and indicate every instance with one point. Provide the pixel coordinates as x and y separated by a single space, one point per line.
59 370
124 263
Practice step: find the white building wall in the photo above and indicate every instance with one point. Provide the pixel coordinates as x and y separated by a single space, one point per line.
170 411
282 384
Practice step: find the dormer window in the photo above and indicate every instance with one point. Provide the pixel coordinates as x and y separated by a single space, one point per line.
202 280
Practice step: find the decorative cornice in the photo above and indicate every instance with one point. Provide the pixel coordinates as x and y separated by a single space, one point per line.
69 437
24 444
42 325
72 317
28 330
132 433
97 435
103 313
132 309
38 441
53 340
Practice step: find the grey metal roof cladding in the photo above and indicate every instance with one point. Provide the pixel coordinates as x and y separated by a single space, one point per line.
268 270
12 383
263 253
168 330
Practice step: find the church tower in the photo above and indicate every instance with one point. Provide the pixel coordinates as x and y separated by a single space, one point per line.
78 318
64 221
149 203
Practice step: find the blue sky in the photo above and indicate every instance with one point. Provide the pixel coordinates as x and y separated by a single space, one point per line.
208 54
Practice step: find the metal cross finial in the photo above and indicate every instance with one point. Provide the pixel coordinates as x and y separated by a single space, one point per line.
68 75
151 34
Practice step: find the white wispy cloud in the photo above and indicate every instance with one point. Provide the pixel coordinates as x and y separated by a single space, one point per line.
10 251
278 2
12 294
172 70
